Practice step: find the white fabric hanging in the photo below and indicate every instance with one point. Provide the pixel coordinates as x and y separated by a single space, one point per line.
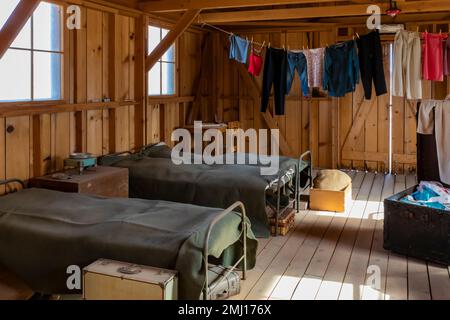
440 123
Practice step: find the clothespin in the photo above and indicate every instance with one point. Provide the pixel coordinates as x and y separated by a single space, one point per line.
357 35
264 42
417 28
269 44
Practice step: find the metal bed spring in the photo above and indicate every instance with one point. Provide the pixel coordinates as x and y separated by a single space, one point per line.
296 189
243 258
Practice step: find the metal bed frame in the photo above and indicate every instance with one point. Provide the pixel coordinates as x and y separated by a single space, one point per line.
295 189
281 174
220 216
243 258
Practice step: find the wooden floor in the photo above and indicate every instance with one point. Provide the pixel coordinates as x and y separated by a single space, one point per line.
328 255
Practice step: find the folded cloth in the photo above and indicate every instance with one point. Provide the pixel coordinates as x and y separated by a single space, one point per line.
438 122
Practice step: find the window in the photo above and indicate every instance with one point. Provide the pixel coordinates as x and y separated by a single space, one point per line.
161 78
31 67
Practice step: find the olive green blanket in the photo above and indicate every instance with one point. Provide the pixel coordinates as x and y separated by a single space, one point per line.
153 175
43 232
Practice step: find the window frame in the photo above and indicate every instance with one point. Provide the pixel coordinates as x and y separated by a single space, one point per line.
169 27
13 104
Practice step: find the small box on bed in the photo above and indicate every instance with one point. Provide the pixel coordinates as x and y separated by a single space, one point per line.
327 200
114 280
415 230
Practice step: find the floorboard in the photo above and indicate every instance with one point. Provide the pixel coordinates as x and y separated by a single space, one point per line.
335 255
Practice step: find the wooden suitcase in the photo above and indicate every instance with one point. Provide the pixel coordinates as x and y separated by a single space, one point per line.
101 181
114 280
286 222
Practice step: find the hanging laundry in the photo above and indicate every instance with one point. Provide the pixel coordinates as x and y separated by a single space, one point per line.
275 72
238 49
341 70
315 61
407 65
256 62
439 122
371 64
297 61
447 57
433 56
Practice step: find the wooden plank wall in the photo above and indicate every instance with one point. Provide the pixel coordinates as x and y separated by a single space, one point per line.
99 62
307 123
165 115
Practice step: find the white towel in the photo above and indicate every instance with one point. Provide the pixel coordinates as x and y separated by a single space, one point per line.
440 121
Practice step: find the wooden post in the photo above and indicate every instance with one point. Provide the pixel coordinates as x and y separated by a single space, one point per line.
185 21
15 23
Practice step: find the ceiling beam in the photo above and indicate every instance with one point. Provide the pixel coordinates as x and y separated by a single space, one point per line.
179 5
15 23
319 12
182 24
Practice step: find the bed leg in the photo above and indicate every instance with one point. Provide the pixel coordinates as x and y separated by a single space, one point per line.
244 241
297 190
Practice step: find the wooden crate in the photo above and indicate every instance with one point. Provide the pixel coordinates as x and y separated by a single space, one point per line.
100 180
114 280
327 200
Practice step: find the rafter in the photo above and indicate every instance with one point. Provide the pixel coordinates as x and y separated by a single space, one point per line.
320 12
15 23
179 5
182 24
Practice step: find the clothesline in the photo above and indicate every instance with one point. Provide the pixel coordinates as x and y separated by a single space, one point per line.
262 45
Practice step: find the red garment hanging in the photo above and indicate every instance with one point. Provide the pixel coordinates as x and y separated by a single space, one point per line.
255 66
433 56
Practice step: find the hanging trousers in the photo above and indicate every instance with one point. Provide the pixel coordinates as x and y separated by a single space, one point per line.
407 65
297 61
275 73
371 64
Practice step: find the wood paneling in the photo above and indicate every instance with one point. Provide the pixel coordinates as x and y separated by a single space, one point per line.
102 63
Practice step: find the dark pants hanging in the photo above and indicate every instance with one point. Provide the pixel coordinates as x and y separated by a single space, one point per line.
275 72
371 64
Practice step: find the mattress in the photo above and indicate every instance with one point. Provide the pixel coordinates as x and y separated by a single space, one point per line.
43 232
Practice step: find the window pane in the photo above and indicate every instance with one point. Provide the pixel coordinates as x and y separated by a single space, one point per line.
154 38
154 80
169 56
47 76
6 8
168 78
47 27
23 39
15 79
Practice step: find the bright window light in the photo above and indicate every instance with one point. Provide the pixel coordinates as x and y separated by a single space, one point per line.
161 78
